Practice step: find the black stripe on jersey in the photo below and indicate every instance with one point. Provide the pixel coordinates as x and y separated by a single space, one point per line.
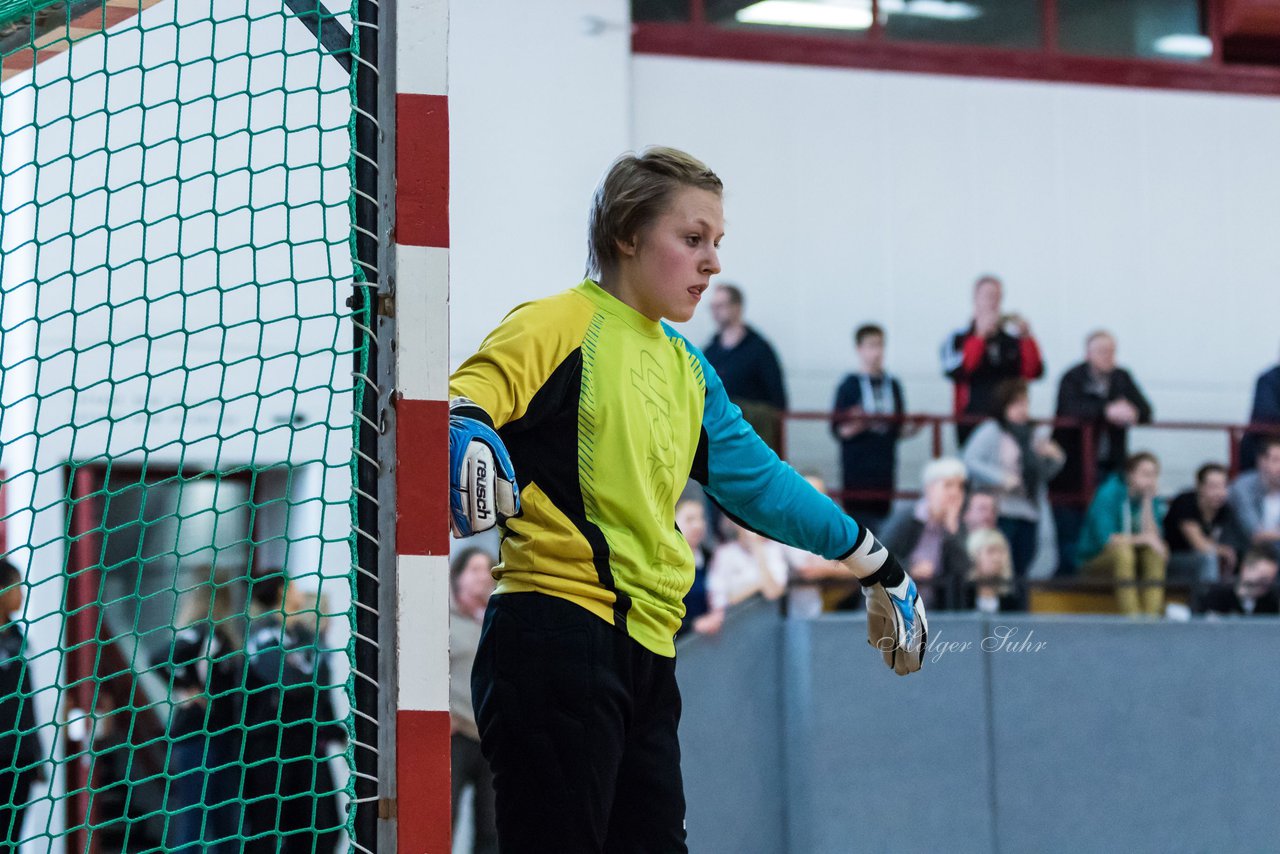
701 472
543 444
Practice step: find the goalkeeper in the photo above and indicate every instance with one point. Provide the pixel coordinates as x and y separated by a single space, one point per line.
575 427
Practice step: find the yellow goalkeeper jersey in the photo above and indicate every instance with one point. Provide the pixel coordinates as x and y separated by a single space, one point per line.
606 415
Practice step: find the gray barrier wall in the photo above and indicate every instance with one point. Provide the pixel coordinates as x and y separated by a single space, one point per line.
1031 733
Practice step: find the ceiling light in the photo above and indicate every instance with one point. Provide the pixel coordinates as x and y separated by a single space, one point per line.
942 10
1183 44
798 13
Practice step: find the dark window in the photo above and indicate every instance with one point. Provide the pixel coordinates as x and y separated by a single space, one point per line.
1151 29
990 23
660 10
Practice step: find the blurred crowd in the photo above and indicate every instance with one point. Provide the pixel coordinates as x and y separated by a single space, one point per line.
972 538
233 757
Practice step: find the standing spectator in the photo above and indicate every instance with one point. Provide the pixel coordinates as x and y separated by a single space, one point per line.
928 538
1255 498
748 367
691 519
992 348
1254 591
471 583
868 448
1266 410
1197 529
1003 454
206 662
1121 536
745 564
21 754
290 797
990 587
1108 402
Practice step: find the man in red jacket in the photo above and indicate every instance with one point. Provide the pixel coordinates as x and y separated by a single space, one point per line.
994 347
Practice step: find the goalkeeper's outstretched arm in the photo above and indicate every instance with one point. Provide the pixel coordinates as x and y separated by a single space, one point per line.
748 480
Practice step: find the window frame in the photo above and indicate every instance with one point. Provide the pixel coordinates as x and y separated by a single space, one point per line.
700 38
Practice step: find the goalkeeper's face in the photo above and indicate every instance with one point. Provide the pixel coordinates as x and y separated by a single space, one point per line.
673 259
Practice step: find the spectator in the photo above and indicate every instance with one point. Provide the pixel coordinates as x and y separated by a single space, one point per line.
471 583
1255 498
1266 410
808 571
1197 529
868 448
744 564
989 587
748 367
207 666
1109 402
290 797
1121 536
691 519
928 538
1254 591
991 349
21 754
981 510
1003 454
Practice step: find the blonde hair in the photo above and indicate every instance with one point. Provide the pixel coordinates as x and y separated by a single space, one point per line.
633 194
980 540
213 599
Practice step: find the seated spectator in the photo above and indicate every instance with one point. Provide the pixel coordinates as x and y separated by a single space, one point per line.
805 597
994 347
691 519
1265 410
927 537
1004 455
1197 528
1121 539
745 564
981 511
1254 591
1255 498
868 449
471 584
990 582
1108 401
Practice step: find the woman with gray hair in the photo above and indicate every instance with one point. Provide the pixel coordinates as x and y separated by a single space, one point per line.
928 538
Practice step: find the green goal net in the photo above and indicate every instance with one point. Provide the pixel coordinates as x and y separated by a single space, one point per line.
179 353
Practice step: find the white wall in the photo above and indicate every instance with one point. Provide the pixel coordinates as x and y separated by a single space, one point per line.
539 106
855 196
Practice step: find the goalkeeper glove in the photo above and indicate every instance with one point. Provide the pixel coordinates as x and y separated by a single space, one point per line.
482 481
896 622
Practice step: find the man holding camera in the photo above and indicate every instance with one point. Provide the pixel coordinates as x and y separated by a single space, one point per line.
994 347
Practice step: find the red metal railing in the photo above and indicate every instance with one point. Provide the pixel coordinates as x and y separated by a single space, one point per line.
1233 433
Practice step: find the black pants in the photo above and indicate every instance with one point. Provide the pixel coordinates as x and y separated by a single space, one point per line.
470 769
15 791
578 723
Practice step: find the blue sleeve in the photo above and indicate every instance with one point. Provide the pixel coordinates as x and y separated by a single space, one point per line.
743 476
